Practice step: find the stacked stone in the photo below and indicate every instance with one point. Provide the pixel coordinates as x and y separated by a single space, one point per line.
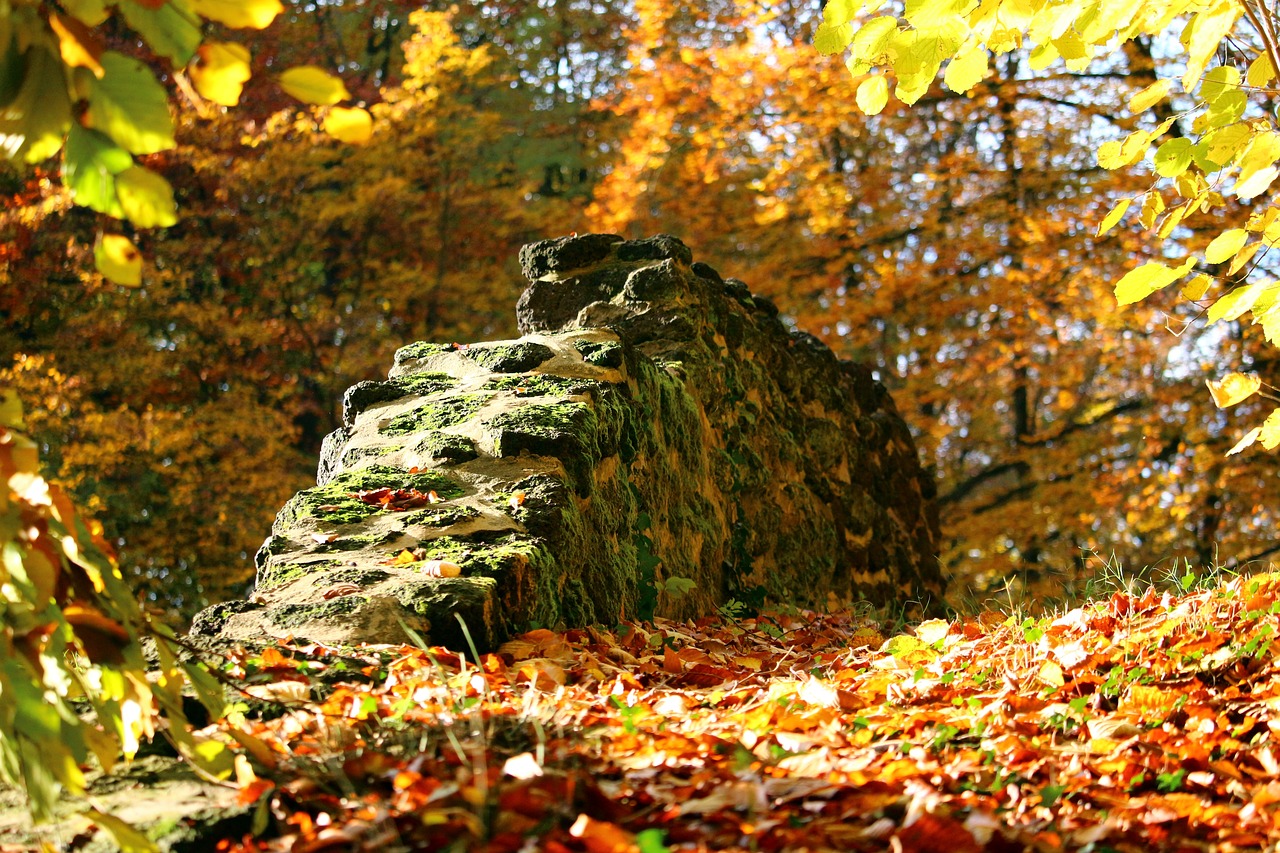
657 443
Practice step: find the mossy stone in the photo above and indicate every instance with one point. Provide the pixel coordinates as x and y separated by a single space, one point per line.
439 414
444 445
510 358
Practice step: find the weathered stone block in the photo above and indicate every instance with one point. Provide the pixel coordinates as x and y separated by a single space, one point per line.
655 422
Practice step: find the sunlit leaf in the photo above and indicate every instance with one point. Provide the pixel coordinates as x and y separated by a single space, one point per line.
1173 157
1150 96
171 28
313 85
79 47
873 94
33 124
146 198
220 71
1114 216
118 259
129 106
240 14
1233 388
1269 437
351 125
1225 245
1139 283
1260 73
90 162
832 38
1237 302
1257 183
967 69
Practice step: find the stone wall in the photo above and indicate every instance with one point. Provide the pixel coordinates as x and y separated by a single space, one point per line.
657 442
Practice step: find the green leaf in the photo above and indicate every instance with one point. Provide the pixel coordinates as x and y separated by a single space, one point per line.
1226 109
91 13
1173 157
873 94
146 198
1225 245
1138 284
129 106
118 260
90 162
313 85
34 123
172 30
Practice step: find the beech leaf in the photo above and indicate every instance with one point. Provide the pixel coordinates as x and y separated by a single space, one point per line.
313 85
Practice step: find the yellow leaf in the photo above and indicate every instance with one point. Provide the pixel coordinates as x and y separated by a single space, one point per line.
313 85
1051 674
1257 183
967 69
1138 284
873 94
1204 35
146 198
1150 96
1243 257
351 125
1237 302
219 72
251 14
77 44
1270 434
1233 388
1114 216
1260 73
118 259
1225 245
1197 287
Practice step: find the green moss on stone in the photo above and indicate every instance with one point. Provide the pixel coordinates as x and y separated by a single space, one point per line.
333 503
421 349
436 415
600 353
441 517
538 385
444 445
509 357
295 615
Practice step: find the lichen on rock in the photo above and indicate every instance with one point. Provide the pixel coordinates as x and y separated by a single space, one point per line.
656 421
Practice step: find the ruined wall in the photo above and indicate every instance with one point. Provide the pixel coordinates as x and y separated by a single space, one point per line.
654 423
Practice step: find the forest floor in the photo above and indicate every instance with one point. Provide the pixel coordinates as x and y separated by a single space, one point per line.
1136 722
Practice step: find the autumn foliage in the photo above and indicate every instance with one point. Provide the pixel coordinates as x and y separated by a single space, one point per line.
1139 722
